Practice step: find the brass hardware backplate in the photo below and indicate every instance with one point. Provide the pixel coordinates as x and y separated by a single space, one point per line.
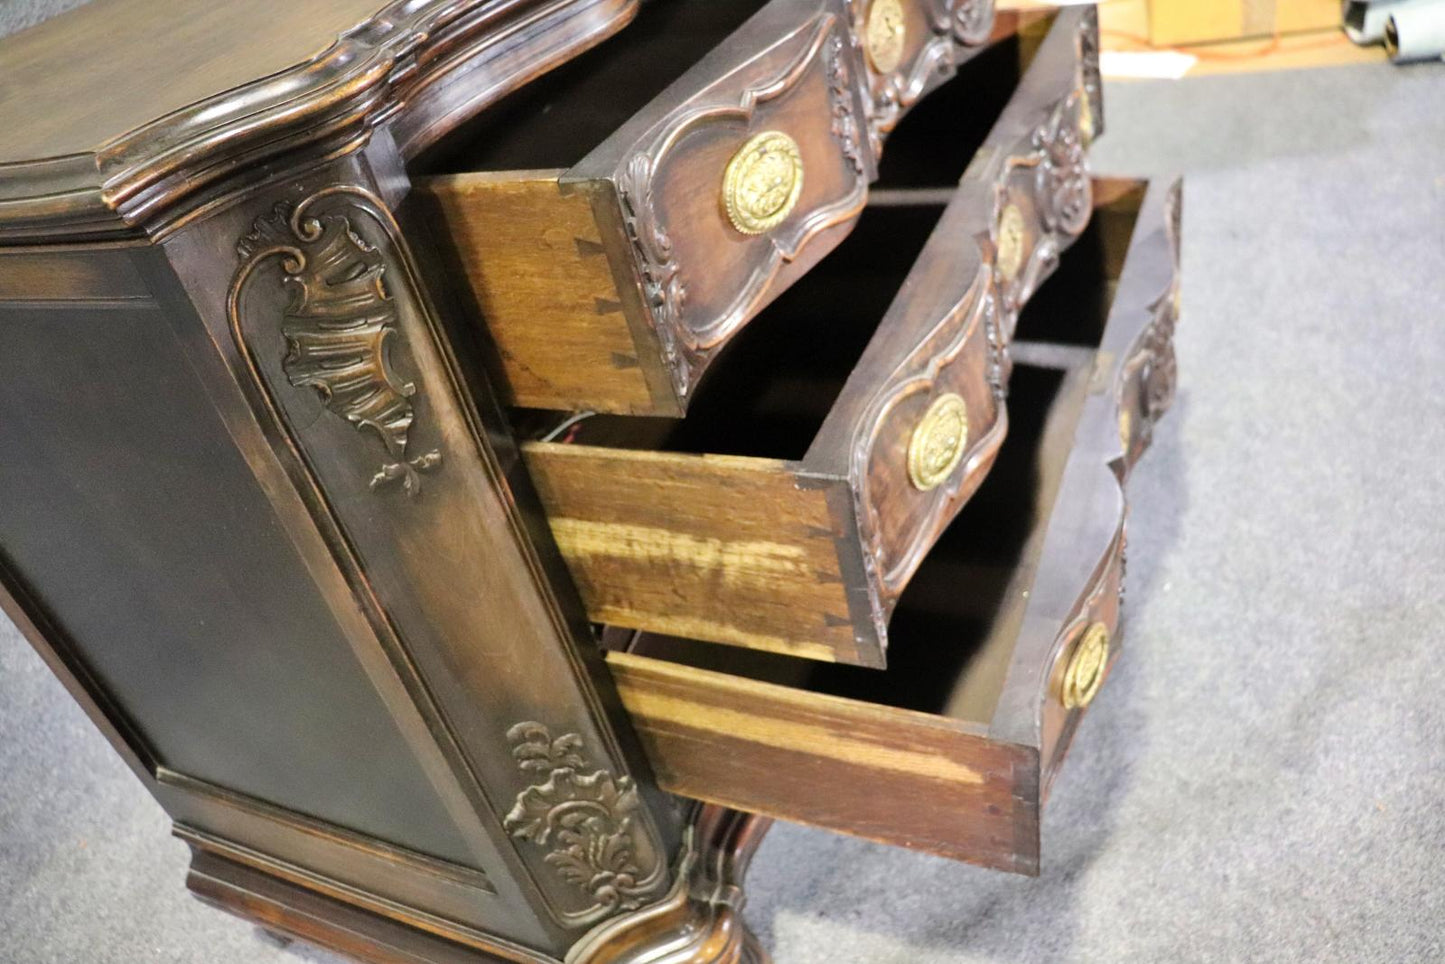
938 442
1011 233
1085 672
762 182
884 34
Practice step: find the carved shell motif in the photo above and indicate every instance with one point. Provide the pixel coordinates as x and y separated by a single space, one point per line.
338 326
585 817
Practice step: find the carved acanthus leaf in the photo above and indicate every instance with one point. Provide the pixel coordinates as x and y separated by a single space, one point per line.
586 819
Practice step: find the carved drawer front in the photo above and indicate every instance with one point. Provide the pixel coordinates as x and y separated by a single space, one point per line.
910 47
824 456
1006 633
622 218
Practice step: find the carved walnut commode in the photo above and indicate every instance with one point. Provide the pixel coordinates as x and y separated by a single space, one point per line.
477 474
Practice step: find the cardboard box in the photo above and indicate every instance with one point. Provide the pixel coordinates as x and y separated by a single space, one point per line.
1175 22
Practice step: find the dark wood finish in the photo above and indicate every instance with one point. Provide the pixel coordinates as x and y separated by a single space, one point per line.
699 922
685 279
264 515
933 38
952 749
270 529
298 911
807 555
123 111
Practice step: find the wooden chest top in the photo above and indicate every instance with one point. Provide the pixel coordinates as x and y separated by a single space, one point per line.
114 112
80 80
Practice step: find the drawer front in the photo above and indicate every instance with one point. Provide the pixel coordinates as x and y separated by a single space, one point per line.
909 47
808 556
853 750
923 415
610 282
744 174
1131 387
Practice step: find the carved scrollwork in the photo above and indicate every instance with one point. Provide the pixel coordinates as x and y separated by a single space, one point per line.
1160 374
700 920
952 24
663 291
1151 373
840 91
688 341
1090 80
586 819
1064 189
928 371
338 328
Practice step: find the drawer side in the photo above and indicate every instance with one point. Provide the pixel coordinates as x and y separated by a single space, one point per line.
541 279
717 547
895 776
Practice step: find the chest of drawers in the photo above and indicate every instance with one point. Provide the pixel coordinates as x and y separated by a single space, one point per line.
455 460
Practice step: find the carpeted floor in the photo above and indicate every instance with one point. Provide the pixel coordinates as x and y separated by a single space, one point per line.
1263 779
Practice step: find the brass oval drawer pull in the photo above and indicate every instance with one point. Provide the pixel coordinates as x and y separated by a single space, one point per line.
762 182
1085 672
1011 237
884 35
938 442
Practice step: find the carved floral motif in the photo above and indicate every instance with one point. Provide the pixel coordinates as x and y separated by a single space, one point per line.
1161 370
840 91
338 328
1153 360
585 818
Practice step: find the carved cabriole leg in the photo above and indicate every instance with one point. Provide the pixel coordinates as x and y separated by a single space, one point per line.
700 921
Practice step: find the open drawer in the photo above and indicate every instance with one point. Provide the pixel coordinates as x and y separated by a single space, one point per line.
621 218
1008 628
843 429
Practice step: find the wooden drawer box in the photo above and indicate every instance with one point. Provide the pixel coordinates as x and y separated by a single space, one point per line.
1008 628
826 453
623 217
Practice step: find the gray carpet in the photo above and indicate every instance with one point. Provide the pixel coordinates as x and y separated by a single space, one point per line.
1262 778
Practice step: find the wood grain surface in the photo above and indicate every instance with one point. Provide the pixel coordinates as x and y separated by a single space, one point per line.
890 775
78 80
119 113
539 273
723 548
